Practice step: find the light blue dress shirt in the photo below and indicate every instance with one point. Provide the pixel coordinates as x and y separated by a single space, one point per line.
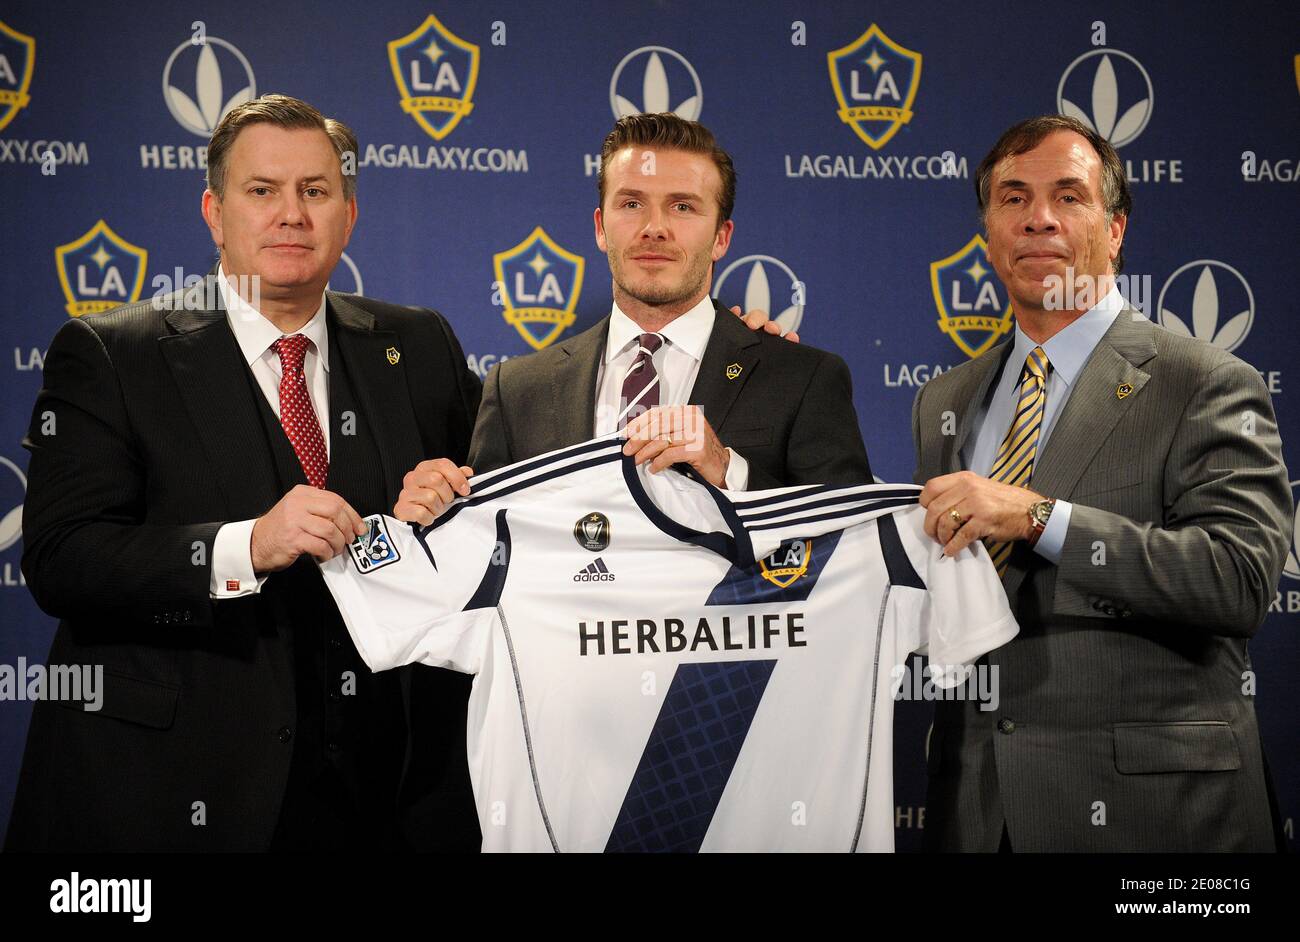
1068 351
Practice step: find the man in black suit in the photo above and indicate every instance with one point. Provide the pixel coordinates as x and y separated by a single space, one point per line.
690 382
190 458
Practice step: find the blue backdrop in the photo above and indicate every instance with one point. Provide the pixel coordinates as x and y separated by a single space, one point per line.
855 129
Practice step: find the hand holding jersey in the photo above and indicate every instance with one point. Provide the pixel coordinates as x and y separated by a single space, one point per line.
648 684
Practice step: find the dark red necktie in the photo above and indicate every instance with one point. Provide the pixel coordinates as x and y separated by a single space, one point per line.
296 413
642 383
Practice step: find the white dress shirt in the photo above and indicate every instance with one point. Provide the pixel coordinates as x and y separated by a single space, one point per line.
232 554
1068 351
677 363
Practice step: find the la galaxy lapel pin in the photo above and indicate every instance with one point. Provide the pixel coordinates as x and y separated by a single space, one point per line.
393 355
733 370
1122 390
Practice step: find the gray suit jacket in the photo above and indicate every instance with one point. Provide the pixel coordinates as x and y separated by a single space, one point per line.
789 412
1123 725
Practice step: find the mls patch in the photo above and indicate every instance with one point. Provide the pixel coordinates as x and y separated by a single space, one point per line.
374 550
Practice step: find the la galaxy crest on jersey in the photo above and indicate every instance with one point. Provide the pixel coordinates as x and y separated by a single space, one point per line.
374 550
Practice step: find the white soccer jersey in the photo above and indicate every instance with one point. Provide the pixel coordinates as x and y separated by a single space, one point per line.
663 666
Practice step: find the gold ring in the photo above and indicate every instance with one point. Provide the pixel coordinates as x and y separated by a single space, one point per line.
957 519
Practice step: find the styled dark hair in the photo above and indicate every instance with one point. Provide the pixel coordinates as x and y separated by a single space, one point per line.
1028 134
284 112
670 132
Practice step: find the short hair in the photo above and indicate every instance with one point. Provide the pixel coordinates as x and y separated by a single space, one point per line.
670 132
284 112
1028 134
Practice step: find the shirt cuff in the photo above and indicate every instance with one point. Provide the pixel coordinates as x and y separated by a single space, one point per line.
232 562
1052 540
737 477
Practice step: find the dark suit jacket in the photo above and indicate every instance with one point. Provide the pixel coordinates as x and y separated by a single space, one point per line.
161 436
789 412
1124 724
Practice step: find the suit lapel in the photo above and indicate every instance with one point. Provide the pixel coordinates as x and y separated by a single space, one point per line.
380 386
1090 415
965 397
728 363
579 364
214 385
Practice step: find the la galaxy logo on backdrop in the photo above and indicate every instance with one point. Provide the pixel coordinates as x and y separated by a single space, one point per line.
748 282
969 298
17 66
1111 92
17 61
203 79
874 83
100 270
537 285
974 309
652 80
436 73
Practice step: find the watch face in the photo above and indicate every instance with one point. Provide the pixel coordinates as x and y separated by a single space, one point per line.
1041 511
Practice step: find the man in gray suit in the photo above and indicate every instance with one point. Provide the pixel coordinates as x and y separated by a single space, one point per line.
1129 486
690 382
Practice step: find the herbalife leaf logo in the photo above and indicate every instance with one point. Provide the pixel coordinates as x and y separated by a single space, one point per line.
1104 78
656 91
11 524
757 272
1292 567
1218 309
201 111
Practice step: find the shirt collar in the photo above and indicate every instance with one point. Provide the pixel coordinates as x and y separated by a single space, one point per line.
1069 348
255 334
688 332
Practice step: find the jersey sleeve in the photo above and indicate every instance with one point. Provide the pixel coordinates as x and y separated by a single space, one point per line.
421 594
952 609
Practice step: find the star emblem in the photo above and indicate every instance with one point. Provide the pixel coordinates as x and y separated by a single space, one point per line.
874 60
434 51
101 257
977 271
539 264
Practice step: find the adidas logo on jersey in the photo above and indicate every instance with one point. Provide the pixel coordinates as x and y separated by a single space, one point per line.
596 572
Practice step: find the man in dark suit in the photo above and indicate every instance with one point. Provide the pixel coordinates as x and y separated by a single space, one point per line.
1129 485
190 458
688 381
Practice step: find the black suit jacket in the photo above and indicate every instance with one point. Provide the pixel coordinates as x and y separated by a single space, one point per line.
789 412
148 435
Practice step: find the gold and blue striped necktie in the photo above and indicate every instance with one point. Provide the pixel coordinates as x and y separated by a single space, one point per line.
1015 458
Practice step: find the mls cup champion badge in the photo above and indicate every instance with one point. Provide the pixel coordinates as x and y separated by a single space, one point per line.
972 310
539 283
875 82
435 71
100 270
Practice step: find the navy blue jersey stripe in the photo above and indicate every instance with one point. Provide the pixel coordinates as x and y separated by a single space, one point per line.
795 523
865 490
474 501
863 501
492 478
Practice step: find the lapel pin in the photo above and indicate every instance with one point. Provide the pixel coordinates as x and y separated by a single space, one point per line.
734 370
393 355
1123 389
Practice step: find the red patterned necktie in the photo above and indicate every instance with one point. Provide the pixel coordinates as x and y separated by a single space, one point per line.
296 413
641 386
